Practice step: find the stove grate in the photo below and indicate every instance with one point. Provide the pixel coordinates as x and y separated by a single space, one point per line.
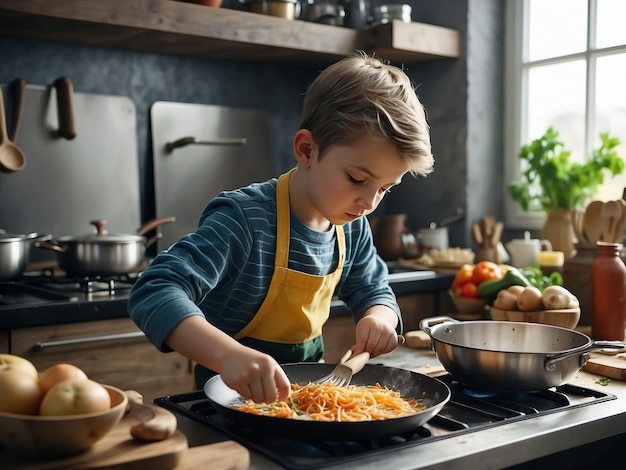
460 415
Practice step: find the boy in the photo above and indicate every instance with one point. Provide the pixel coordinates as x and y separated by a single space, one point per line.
252 286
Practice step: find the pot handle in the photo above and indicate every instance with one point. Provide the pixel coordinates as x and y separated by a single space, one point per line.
154 223
34 236
550 363
50 245
426 323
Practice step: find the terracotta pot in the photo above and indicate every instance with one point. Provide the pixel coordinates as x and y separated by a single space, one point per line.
558 229
388 236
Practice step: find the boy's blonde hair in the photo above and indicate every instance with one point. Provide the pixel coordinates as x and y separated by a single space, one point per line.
361 94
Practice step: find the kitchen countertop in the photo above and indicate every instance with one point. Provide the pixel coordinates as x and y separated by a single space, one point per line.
497 447
104 306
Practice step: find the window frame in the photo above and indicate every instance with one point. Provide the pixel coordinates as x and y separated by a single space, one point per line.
515 91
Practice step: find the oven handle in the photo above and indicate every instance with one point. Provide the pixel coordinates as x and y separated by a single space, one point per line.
40 346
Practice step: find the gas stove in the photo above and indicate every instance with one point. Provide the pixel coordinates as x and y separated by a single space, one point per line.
467 411
45 297
46 288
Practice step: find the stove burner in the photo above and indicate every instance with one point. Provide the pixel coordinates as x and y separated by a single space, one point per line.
462 414
87 284
17 293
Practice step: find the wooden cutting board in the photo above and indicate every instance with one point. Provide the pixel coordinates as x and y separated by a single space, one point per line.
613 367
118 450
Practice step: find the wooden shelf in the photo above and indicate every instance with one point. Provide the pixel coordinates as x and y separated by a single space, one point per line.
170 27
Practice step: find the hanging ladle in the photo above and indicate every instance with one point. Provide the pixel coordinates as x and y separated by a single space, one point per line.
11 157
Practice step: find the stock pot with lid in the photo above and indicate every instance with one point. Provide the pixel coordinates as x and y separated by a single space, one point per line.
102 253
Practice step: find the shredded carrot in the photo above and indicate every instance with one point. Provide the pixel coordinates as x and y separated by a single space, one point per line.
327 402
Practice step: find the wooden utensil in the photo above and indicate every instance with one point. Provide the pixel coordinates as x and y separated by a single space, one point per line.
577 223
343 372
592 222
11 157
477 235
488 223
17 89
620 225
611 213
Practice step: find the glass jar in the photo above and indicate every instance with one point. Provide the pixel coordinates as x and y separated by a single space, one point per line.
608 281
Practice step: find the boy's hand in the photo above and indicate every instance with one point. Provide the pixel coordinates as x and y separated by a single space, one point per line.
255 375
376 332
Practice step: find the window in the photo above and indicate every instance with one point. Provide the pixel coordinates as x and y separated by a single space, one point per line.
565 67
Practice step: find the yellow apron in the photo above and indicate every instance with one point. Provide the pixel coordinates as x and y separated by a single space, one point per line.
297 304
288 325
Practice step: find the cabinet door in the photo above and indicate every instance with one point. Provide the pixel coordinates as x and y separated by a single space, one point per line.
112 352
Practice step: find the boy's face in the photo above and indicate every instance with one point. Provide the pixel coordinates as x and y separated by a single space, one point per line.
350 181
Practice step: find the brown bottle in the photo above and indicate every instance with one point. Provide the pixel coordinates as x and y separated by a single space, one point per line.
608 279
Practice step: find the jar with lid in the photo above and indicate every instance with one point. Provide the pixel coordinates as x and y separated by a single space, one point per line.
608 281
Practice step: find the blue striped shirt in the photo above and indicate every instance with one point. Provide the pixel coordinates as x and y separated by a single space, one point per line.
223 270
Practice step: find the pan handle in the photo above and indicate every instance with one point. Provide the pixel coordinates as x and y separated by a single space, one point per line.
551 361
426 323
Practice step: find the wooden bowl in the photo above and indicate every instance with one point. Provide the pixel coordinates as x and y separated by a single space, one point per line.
467 305
565 318
60 435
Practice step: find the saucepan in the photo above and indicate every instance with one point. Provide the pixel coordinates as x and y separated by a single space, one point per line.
15 253
433 393
102 253
510 356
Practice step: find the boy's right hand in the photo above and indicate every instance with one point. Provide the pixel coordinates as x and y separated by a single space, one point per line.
255 375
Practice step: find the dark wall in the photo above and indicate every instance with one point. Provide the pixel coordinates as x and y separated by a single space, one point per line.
462 98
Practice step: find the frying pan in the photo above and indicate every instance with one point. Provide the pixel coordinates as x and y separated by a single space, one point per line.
510 356
432 392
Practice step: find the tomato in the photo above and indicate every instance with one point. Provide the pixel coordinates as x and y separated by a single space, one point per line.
486 271
469 290
463 275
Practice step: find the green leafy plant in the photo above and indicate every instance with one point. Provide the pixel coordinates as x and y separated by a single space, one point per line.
553 181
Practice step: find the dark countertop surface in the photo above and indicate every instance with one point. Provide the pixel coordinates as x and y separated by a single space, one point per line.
93 306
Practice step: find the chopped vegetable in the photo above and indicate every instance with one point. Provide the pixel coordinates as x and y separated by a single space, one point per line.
604 381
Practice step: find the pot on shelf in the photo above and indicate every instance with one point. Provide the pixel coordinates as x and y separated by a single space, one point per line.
102 253
287 9
15 253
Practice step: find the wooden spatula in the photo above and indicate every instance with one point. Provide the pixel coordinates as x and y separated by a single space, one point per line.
592 222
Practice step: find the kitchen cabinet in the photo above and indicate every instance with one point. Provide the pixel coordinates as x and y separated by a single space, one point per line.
111 351
168 27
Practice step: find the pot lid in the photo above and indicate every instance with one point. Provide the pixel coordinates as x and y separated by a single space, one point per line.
103 236
13 237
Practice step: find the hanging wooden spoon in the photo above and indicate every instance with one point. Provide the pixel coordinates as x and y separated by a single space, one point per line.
592 222
11 157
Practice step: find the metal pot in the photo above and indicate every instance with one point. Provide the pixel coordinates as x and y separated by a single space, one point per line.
287 9
510 356
433 393
15 253
102 253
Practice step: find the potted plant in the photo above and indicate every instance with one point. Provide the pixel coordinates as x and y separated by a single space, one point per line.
558 185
